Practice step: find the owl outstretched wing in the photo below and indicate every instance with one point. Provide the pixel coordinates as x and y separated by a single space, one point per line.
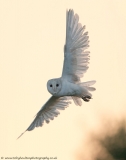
75 57
48 112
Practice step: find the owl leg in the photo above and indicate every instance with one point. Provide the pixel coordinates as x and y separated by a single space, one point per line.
86 98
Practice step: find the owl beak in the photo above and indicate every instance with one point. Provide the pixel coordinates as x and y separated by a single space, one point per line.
54 89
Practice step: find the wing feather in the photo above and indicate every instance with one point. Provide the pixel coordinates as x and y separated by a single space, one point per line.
48 112
77 101
76 59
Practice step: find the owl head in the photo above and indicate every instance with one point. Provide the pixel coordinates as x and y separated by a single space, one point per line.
54 86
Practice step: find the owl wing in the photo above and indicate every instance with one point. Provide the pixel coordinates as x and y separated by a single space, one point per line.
75 57
48 112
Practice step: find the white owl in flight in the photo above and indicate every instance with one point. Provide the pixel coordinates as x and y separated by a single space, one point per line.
69 85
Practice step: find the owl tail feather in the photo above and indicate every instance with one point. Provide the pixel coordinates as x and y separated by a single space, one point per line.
87 88
87 85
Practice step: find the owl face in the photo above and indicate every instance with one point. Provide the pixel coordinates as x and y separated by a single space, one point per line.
54 86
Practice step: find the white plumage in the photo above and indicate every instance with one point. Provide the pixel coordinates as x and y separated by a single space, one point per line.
69 86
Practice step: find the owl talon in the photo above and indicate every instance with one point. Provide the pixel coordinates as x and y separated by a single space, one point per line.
86 98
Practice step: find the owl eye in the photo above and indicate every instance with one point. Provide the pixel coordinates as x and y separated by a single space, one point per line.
57 85
50 85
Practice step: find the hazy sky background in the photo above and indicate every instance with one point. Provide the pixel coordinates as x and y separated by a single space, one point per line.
32 36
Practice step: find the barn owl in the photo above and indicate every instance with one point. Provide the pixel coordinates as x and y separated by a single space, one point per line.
69 86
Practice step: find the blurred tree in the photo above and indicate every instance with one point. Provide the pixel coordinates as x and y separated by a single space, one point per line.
115 145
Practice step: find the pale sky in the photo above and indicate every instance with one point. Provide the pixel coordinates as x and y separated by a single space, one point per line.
32 36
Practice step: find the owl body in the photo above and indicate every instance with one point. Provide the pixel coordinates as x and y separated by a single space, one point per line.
70 89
